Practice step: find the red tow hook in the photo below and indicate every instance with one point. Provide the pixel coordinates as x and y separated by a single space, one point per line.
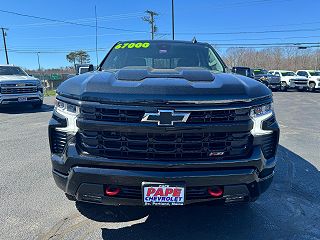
112 191
215 191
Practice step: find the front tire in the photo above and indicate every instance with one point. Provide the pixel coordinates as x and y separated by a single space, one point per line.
284 86
312 87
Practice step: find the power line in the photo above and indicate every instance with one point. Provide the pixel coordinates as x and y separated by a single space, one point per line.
267 44
250 32
255 39
82 20
68 22
254 45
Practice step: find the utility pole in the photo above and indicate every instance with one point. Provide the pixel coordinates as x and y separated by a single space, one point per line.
38 61
151 20
172 13
4 43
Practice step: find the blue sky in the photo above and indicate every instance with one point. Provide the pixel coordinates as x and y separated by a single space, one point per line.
201 18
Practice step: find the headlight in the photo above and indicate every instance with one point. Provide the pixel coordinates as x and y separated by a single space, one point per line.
40 86
259 114
70 112
66 107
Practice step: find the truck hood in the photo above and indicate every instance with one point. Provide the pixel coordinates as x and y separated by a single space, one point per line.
316 78
295 77
10 78
136 85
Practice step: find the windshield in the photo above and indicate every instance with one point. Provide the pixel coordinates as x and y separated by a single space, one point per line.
285 74
8 70
259 71
314 73
162 55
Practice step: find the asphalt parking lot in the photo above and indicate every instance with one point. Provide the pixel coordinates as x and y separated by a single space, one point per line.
32 207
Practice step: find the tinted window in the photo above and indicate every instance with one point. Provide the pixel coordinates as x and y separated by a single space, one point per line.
7 70
285 74
243 71
302 73
314 73
162 55
259 71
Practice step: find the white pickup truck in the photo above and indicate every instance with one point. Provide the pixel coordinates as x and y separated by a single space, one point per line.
17 87
313 78
290 79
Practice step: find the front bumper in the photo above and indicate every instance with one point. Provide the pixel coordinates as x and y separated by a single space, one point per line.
299 85
87 177
6 99
274 85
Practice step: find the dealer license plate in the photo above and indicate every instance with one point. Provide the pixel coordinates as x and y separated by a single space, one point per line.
22 99
161 194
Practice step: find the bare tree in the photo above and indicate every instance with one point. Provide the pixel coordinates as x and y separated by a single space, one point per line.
288 58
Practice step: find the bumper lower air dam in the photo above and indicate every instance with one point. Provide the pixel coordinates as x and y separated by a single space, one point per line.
88 184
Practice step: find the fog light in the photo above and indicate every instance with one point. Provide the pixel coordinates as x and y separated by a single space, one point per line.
215 191
112 191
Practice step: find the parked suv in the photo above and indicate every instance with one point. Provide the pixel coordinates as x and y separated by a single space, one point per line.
313 78
17 87
290 79
162 123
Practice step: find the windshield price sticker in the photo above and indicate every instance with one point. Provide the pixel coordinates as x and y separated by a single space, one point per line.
163 195
132 45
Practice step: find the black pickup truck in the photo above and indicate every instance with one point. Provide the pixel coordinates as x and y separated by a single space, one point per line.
271 81
162 123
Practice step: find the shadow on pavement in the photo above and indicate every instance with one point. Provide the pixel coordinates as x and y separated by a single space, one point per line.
16 109
290 209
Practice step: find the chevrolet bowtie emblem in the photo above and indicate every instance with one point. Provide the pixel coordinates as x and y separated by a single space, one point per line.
165 117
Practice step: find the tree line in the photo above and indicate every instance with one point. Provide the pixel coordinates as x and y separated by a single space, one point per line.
285 58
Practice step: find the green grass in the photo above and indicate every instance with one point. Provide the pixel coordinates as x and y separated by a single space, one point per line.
48 93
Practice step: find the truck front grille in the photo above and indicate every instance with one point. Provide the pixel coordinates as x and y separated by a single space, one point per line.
15 89
135 116
300 82
166 146
111 115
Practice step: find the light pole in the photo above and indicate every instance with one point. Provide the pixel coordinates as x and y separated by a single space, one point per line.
172 12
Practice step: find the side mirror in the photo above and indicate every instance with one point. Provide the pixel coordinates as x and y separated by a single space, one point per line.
84 69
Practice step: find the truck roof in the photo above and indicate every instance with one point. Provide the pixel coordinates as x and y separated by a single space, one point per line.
165 41
281 70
